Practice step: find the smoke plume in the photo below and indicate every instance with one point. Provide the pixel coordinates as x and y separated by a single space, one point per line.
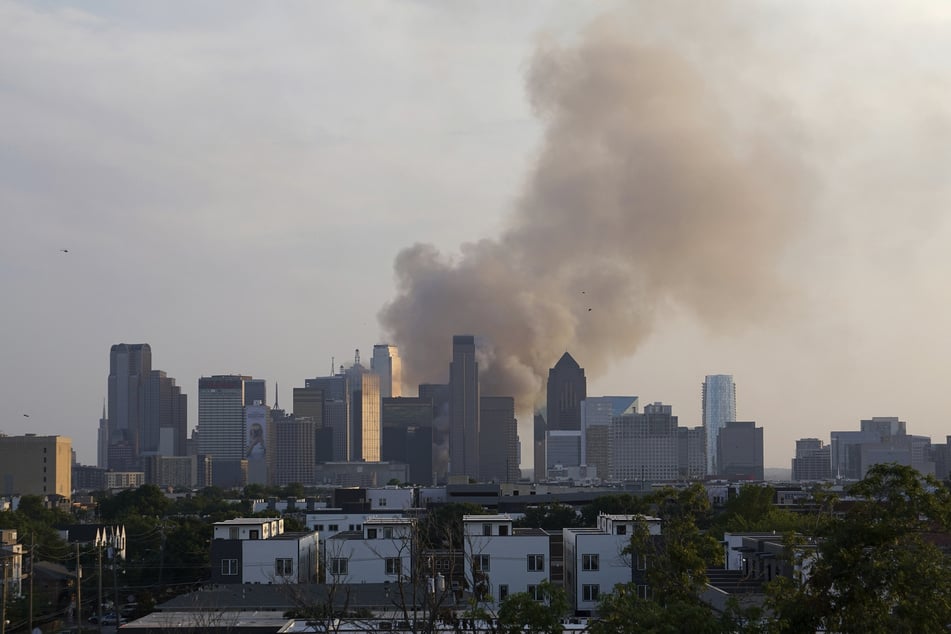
647 193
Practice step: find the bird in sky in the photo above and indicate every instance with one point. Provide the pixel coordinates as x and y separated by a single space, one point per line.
26 416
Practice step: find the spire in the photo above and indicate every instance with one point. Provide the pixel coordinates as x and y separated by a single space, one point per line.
103 408
276 387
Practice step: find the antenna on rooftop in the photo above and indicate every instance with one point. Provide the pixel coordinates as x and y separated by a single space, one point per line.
356 356
331 366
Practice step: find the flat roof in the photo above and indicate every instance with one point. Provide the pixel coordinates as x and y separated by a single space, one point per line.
247 521
500 517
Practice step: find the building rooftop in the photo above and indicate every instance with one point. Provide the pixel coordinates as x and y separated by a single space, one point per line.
500 517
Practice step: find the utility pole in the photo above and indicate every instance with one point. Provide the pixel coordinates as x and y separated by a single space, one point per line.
3 611
32 555
79 590
99 577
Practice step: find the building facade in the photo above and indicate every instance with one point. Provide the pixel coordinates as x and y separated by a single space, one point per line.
719 407
644 446
498 445
36 465
387 365
464 423
740 451
566 388
257 550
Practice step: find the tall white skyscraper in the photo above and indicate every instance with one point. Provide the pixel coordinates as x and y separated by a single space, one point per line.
386 363
719 408
221 430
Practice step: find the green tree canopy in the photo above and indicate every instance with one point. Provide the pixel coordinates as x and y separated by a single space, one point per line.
542 614
875 567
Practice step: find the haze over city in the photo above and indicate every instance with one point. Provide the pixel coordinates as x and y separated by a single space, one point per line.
756 189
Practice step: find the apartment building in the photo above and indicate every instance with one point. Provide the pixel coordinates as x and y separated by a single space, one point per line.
380 551
257 550
501 560
595 560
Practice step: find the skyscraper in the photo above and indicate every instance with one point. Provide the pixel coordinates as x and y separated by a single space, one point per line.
719 408
129 369
364 412
644 446
386 363
597 414
165 426
464 408
498 445
567 387
740 451
408 435
221 432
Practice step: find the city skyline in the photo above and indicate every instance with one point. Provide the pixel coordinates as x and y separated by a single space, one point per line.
144 205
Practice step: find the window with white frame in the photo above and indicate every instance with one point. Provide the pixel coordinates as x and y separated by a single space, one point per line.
339 566
535 592
536 563
641 562
590 592
283 567
393 565
621 529
480 563
229 567
371 533
486 530
643 592
388 533
590 562
503 592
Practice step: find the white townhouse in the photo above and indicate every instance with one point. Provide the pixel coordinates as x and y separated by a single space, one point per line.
595 560
257 550
382 550
502 560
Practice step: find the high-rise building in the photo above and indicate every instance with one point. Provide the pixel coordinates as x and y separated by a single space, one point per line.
880 440
719 408
691 453
334 427
498 445
597 415
438 393
539 434
408 436
740 451
567 387
36 465
464 426
165 427
386 363
812 461
364 413
255 391
129 369
259 441
295 460
102 437
221 432
644 446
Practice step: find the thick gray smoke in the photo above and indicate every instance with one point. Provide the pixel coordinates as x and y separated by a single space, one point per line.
647 192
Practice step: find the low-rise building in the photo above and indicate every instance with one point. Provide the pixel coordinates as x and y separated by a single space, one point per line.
501 560
596 561
257 550
380 551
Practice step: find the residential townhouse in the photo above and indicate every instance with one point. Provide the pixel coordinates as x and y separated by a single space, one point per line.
257 550
381 550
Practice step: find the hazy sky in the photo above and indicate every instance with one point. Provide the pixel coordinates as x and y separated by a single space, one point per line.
234 182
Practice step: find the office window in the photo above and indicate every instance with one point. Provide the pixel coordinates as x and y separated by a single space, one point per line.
503 592
339 566
229 567
393 565
590 562
536 563
283 567
480 563
590 592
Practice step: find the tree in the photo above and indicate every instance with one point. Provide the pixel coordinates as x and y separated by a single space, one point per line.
676 563
549 517
875 567
540 614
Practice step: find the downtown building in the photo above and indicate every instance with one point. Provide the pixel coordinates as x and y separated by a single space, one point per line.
464 425
407 436
36 465
221 427
644 446
147 412
386 364
719 407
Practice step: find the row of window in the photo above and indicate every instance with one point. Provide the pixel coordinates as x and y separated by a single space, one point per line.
536 563
283 567
336 527
340 566
589 592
